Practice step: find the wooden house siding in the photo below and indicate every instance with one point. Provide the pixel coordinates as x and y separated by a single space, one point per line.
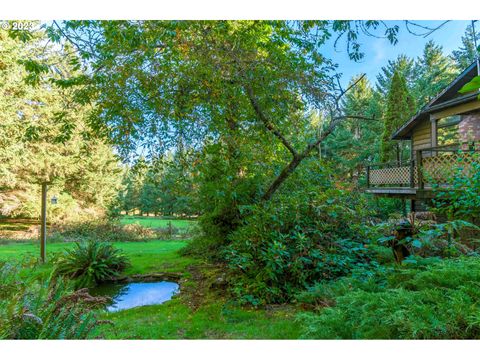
431 161
422 136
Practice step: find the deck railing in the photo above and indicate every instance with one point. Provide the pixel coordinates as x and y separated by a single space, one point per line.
433 165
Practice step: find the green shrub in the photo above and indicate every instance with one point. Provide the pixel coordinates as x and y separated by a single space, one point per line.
461 200
44 309
288 244
91 263
105 231
436 301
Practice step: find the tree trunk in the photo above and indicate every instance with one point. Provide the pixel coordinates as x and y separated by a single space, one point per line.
286 172
297 159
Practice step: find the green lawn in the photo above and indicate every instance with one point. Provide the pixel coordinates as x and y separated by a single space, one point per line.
145 257
213 320
155 222
198 312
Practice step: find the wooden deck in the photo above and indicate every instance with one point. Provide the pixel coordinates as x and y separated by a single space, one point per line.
401 192
413 179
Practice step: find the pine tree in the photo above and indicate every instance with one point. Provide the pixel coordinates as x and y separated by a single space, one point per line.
38 142
402 64
400 107
434 71
466 54
356 141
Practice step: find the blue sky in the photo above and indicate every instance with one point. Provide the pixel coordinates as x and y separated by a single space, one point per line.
379 51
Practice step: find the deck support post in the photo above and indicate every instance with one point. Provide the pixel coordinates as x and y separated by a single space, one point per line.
368 176
419 169
412 174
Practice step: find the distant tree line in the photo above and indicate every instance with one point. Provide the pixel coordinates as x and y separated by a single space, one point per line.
164 186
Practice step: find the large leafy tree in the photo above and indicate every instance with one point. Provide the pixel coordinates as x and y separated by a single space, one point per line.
238 92
191 78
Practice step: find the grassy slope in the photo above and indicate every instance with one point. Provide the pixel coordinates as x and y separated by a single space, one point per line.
197 312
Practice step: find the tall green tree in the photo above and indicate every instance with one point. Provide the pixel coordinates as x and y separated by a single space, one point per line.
434 71
238 91
37 141
403 65
356 141
466 53
400 107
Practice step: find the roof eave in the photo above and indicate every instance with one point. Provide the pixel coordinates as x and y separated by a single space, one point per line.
404 133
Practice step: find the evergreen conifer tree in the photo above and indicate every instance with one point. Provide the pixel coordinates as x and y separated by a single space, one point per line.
400 107
465 55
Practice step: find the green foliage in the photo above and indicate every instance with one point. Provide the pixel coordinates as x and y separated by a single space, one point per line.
436 301
433 72
462 198
355 141
466 54
44 137
431 239
107 231
163 186
302 236
472 85
443 239
400 107
403 65
215 86
91 263
43 309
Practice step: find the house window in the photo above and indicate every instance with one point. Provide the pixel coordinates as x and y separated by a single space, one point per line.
447 130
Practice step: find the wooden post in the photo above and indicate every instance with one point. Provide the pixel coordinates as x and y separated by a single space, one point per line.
43 232
419 169
412 173
434 138
368 176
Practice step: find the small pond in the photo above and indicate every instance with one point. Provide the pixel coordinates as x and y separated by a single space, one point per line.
129 295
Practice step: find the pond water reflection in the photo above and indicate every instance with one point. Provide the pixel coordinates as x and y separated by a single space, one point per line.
130 295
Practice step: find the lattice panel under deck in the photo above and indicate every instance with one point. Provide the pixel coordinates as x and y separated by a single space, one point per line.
392 176
441 168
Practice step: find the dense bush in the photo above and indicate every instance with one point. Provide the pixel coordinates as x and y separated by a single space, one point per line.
462 198
294 241
104 231
91 263
440 300
44 309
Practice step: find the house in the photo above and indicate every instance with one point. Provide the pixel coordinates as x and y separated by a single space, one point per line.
444 133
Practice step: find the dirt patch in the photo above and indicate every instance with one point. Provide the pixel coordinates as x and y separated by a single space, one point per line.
204 281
